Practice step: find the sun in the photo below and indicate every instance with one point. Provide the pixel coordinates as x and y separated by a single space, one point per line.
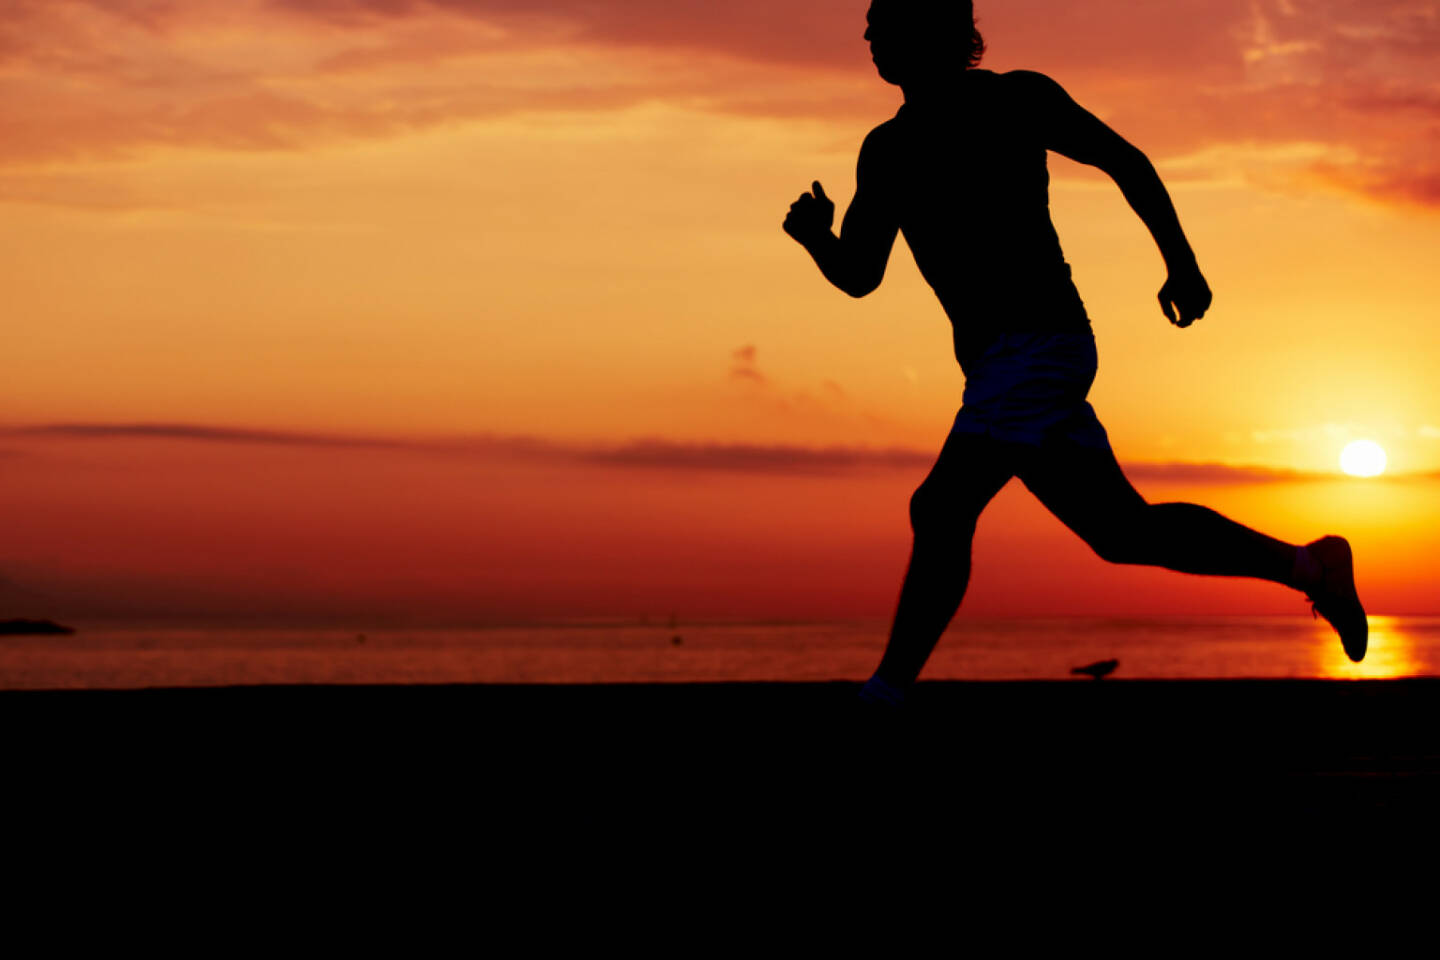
1363 458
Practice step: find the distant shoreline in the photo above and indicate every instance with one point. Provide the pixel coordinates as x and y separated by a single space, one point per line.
21 628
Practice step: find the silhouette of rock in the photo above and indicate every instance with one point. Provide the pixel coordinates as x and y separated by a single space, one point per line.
12 628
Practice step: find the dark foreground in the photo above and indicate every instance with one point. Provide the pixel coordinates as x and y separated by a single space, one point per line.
661 761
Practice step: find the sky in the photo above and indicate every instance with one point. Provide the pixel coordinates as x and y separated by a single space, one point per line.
480 310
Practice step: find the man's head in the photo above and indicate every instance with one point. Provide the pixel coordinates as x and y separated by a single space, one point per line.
919 40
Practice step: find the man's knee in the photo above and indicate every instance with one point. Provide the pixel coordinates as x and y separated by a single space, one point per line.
932 511
1124 538
1117 550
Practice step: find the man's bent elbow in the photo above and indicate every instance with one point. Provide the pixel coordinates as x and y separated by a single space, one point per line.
859 284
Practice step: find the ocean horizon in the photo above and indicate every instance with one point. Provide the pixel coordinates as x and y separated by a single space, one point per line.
712 650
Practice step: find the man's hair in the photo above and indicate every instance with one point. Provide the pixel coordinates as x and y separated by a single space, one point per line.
950 18
965 15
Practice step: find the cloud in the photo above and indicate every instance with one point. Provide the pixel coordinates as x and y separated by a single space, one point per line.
641 453
81 191
1406 186
89 81
825 33
750 458
1355 82
185 431
485 444
1217 473
743 365
1355 85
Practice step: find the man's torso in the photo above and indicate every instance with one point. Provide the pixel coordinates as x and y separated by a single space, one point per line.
970 188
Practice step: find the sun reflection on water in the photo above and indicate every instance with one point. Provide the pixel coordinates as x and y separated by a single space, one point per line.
1392 653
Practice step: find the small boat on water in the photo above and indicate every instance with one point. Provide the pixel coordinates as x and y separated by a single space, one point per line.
14 628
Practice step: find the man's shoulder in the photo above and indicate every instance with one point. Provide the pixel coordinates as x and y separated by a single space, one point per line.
1024 76
885 130
1028 83
879 140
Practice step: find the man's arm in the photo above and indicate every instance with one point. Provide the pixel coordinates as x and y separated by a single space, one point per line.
855 260
1072 131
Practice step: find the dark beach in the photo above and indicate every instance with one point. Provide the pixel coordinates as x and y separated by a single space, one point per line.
665 760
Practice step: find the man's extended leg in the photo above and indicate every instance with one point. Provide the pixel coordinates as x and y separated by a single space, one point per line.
1086 489
968 473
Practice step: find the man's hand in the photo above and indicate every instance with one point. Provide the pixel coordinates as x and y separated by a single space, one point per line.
1185 296
811 216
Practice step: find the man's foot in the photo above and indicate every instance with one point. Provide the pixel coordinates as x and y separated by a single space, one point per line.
882 696
1332 594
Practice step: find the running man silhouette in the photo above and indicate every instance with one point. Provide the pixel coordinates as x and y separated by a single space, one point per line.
961 170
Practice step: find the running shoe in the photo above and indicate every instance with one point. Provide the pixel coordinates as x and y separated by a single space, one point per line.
1334 598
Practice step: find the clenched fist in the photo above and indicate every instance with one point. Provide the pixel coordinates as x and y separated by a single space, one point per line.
1185 296
810 216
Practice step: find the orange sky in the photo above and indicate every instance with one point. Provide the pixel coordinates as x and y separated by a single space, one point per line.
482 310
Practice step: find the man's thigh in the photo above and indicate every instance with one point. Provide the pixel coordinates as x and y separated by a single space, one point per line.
1082 485
969 471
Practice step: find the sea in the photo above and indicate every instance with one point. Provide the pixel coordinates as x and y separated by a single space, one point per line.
709 651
